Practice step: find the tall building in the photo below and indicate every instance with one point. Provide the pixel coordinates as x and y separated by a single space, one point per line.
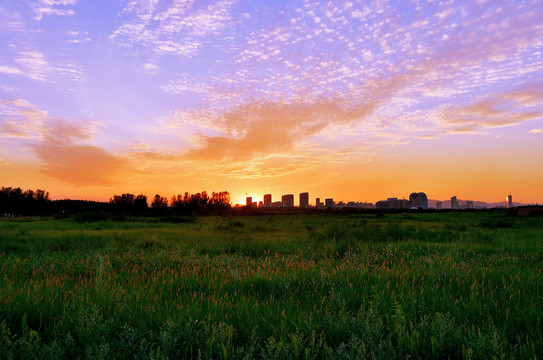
304 200
469 204
418 200
329 203
267 200
287 200
248 201
439 205
454 203
509 201
318 203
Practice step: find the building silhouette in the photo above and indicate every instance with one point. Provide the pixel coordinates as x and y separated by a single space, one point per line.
454 203
267 200
318 203
304 200
392 203
509 201
329 203
418 200
469 204
248 201
288 200
439 205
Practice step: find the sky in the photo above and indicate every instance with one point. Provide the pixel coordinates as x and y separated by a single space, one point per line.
352 100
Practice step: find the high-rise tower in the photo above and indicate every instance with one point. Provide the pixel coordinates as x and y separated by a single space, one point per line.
304 200
509 201
454 203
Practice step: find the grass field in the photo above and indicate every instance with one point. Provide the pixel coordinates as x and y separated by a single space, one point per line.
451 285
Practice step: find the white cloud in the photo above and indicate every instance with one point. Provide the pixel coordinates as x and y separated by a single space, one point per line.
150 67
34 65
535 131
51 7
178 29
10 70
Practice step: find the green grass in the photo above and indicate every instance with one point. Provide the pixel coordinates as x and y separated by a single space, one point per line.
453 285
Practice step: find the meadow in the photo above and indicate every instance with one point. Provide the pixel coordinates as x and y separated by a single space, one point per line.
459 285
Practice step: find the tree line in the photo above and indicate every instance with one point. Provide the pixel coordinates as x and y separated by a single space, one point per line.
187 201
16 201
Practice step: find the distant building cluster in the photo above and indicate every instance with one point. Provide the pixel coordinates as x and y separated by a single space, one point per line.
417 200
287 201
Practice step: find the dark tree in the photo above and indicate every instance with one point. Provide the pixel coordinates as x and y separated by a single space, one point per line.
159 202
30 202
200 201
177 201
220 200
129 201
140 202
122 201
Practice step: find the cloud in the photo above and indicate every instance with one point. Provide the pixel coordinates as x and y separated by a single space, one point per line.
500 110
535 131
178 29
187 83
57 144
150 67
51 7
154 156
427 137
3 163
375 54
10 70
35 66
19 119
81 165
63 158
78 37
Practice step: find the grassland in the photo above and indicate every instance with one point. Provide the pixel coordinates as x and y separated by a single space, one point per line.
454 285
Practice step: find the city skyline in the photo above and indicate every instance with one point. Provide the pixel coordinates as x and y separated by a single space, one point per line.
354 100
415 199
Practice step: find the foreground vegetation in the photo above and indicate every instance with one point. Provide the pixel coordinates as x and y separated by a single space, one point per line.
454 285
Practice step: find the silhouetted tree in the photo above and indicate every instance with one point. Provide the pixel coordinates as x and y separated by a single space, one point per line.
17 201
199 201
122 201
178 201
159 202
140 202
220 200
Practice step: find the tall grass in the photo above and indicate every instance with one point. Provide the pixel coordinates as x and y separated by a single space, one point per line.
302 287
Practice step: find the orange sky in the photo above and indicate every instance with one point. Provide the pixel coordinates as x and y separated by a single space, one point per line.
355 100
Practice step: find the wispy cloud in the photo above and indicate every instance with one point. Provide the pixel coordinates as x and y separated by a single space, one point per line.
535 131
370 60
10 70
53 7
500 110
34 65
178 28
20 119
